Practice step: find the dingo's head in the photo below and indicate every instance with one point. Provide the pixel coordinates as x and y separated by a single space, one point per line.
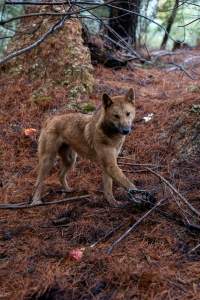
119 113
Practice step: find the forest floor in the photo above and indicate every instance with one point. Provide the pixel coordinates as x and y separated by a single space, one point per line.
154 261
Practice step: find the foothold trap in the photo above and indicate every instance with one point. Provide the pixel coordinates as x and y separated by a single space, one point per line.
141 197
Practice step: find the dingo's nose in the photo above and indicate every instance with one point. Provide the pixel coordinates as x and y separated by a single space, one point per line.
125 131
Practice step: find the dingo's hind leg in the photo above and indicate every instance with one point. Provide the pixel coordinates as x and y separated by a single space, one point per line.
68 157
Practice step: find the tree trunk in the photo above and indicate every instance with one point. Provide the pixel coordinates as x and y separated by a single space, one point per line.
124 24
170 23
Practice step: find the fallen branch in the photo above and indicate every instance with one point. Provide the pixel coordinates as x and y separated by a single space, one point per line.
159 53
24 205
124 235
192 208
180 67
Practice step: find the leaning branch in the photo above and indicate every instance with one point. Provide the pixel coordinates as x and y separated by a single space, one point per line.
192 208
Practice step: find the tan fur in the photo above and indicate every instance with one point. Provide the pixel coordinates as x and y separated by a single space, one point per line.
97 137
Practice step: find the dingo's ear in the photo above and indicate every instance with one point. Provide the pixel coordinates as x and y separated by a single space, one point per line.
107 101
130 96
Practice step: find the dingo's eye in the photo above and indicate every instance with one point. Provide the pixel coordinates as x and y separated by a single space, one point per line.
128 114
117 116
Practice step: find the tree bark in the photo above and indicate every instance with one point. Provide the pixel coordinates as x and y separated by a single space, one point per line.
170 23
124 24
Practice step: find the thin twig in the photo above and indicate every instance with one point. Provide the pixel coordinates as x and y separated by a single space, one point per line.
24 205
194 249
198 19
107 235
136 165
175 191
134 171
190 3
40 14
124 235
93 6
35 3
53 14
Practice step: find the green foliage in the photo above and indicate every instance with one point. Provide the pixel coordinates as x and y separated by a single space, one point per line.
185 14
164 10
7 12
88 107
40 96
